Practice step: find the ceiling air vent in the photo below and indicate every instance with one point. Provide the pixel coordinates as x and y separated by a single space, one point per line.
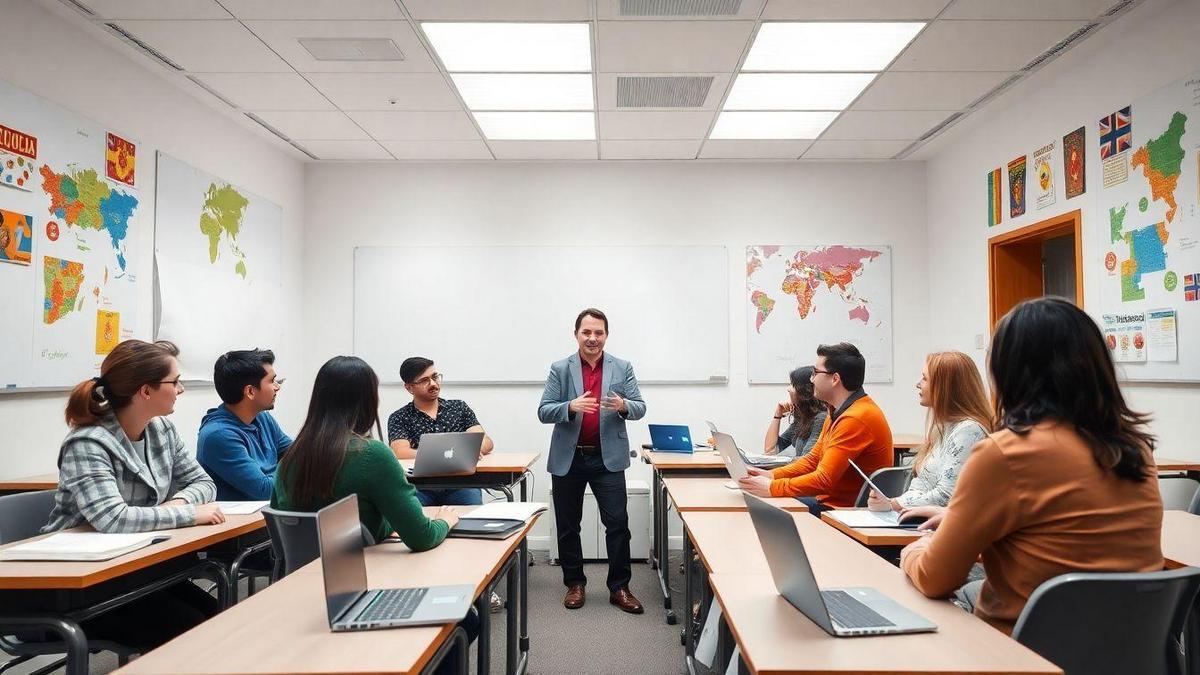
662 92
280 134
212 91
142 46
81 8
1118 8
352 49
680 7
1060 47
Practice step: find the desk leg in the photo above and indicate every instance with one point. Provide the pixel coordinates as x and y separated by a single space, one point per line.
664 557
457 643
655 508
687 636
524 486
235 569
68 630
524 595
512 615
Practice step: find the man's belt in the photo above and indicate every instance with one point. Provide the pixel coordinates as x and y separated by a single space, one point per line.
588 449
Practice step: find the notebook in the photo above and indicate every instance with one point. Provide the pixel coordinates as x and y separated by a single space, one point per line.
81 546
241 508
497 520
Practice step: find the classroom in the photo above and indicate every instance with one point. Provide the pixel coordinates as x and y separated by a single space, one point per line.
306 363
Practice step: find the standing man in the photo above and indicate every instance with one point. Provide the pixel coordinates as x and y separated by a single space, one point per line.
240 442
588 397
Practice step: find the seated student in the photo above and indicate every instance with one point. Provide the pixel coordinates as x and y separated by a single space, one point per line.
123 468
808 416
1067 483
855 430
429 414
959 417
240 442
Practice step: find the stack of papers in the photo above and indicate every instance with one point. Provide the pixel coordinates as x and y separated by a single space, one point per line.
81 546
240 508
865 518
501 510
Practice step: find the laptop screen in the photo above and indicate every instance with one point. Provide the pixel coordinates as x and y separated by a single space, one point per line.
342 560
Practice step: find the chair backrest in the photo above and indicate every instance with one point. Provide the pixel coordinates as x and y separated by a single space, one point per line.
293 538
893 480
1179 492
1194 507
1098 623
24 514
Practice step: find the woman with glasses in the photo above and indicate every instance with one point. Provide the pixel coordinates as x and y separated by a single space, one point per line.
806 413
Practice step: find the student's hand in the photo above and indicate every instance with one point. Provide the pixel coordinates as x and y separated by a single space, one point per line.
585 404
447 514
782 408
932 514
209 514
613 402
759 486
755 471
878 502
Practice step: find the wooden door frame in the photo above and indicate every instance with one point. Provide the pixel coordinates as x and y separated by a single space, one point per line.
1069 223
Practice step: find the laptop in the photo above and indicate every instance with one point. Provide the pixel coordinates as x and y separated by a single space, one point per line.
841 612
670 438
731 456
448 454
765 461
351 605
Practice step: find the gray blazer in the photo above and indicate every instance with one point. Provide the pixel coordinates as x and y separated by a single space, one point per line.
564 384
102 481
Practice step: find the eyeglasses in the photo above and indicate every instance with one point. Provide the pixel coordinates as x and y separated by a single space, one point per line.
426 381
176 382
826 372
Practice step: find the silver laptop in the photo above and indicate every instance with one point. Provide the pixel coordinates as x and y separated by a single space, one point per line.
448 454
351 605
764 460
842 612
732 458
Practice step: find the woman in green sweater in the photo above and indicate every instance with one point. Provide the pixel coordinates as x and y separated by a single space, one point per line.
333 456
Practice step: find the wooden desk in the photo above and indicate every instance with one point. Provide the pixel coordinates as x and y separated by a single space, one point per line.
1180 539
284 628
1169 465
873 536
42 481
710 494
495 471
702 459
904 444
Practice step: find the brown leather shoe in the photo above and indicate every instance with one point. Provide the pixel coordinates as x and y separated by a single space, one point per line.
624 599
575 596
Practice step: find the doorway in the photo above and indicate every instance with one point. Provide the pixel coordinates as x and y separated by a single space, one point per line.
1045 258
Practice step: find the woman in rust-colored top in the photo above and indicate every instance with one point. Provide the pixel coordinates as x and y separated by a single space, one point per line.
1066 484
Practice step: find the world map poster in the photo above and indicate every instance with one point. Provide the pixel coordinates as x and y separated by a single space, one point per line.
800 297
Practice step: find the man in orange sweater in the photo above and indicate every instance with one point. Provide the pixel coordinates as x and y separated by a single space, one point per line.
854 430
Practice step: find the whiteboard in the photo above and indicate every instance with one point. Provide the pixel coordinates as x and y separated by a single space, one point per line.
503 314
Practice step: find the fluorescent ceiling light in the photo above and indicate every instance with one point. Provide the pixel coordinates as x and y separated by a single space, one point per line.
771 125
491 91
828 45
796 91
537 126
512 47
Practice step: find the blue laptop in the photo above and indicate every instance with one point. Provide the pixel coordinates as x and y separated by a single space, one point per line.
670 438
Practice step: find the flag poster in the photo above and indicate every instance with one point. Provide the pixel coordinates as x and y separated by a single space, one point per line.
994 180
1016 187
1073 162
1116 135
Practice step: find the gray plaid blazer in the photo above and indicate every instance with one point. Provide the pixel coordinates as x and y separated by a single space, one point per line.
98 470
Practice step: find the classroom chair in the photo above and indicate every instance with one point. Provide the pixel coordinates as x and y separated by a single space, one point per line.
294 541
1179 492
893 480
1090 623
22 516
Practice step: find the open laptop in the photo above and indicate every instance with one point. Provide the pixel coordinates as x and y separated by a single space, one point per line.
448 454
670 438
351 605
764 460
842 612
731 456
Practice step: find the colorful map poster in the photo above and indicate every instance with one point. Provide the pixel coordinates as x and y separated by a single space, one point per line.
1016 187
1043 166
120 159
16 238
800 297
994 188
1074 162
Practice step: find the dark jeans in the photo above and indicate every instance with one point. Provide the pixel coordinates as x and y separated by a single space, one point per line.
452 497
609 490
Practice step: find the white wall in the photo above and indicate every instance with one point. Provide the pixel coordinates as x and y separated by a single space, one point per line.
1154 45
628 203
51 57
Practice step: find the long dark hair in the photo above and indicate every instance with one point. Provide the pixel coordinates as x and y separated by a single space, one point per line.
1049 361
344 404
805 406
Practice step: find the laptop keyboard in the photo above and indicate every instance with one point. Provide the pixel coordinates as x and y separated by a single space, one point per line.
851 613
393 603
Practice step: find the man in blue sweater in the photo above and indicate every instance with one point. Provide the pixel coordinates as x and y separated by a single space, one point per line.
240 442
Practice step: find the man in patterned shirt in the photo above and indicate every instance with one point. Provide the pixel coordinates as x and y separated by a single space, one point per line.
429 414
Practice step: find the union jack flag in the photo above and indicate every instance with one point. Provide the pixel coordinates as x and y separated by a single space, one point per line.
1116 132
1191 287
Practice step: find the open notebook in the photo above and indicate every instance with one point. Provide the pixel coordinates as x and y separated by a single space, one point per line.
81 546
497 520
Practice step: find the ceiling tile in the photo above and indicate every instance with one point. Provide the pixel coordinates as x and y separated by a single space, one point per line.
611 9
858 10
927 91
326 126
375 91
884 125
719 149
192 45
649 149
282 36
490 10
437 150
671 46
606 89
345 149
854 149
416 126
1027 9
314 9
655 125
158 10
982 45
544 149
266 91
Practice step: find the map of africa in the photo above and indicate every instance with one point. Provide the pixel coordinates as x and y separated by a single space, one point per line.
224 208
82 199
